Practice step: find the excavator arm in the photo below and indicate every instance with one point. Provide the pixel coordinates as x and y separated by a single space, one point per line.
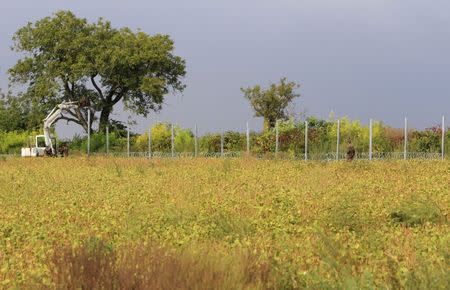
52 117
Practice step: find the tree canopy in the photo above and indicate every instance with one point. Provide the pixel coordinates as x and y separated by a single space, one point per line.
15 116
68 59
271 103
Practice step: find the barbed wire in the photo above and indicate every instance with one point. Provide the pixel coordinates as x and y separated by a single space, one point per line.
331 156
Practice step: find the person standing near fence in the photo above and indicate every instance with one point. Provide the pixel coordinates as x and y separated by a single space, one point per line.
351 152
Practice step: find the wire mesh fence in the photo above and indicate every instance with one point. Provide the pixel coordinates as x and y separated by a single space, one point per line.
308 140
279 141
332 156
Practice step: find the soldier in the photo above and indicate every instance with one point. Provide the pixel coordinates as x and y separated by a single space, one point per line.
350 151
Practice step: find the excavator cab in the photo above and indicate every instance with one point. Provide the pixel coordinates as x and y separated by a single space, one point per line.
38 149
40 141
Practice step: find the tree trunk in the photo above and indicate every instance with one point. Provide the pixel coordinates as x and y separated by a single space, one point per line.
272 122
104 118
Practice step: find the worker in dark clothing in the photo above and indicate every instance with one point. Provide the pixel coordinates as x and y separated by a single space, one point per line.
350 151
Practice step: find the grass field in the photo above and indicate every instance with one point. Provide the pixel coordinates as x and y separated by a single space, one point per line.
227 224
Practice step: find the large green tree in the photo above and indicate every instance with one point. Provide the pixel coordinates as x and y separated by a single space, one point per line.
271 103
66 58
13 116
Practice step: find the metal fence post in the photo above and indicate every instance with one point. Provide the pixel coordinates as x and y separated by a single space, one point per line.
128 139
405 154
306 140
276 138
370 139
172 141
221 144
443 138
248 139
107 140
338 137
89 132
150 142
196 141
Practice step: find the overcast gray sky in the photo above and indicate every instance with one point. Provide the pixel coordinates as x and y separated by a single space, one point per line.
381 59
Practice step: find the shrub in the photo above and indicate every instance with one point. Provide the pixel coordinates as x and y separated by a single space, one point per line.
416 212
394 139
234 141
210 143
184 140
98 142
428 140
11 142
162 139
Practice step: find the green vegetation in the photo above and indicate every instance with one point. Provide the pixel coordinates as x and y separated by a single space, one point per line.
272 103
321 136
68 59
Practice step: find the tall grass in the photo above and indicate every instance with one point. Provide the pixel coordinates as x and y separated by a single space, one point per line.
97 265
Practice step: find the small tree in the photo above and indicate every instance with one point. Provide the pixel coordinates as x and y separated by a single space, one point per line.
271 103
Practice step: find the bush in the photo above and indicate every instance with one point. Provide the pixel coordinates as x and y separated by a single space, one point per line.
426 141
12 142
234 141
162 139
184 140
98 142
210 143
416 212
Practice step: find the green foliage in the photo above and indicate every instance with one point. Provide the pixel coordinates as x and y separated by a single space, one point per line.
321 139
161 139
11 117
98 143
16 114
345 214
184 140
12 142
428 140
232 142
418 211
271 103
67 58
210 143
353 131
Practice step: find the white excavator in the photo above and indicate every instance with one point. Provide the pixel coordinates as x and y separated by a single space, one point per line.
45 145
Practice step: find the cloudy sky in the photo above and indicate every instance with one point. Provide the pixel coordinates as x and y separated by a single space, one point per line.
381 59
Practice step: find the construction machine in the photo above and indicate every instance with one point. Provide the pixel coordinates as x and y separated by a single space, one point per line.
45 145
